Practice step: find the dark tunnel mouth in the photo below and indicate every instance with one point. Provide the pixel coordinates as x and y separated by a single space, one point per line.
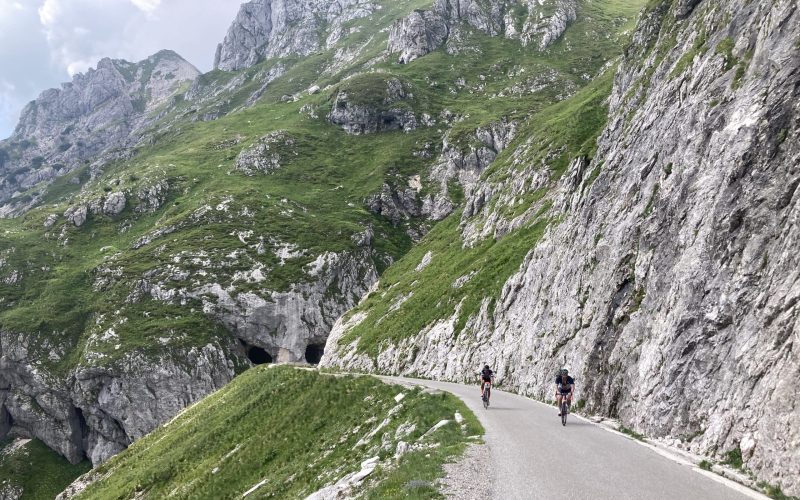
258 356
314 353
6 421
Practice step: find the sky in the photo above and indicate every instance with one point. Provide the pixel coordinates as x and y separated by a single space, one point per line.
45 42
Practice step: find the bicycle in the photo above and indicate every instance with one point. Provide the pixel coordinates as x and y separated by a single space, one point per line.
564 410
487 387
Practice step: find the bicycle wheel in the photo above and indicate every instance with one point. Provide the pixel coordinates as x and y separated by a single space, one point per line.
564 413
485 398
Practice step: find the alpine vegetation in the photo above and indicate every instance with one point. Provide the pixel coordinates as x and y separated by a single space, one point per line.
407 188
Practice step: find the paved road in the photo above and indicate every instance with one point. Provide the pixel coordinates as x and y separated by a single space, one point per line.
534 457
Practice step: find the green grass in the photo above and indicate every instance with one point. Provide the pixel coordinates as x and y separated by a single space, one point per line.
725 49
296 428
734 458
705 465
774 491
39 471
431 293
632 433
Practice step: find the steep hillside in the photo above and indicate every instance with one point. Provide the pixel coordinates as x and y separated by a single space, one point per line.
290 433
244 214
659 262
29 470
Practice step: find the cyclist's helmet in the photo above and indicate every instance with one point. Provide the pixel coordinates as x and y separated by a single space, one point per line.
486 367
564 371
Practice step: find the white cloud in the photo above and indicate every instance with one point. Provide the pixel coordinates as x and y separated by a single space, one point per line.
49 12
7 7
147 6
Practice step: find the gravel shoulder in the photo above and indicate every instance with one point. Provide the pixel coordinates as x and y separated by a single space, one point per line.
471 477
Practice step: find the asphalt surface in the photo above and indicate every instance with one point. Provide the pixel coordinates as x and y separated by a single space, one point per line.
535 457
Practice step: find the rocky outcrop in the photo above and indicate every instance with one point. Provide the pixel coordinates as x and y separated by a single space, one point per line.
77 215
284 324
114 203
530 21
384 108
97 412
397 205
105 108
464 164
266 29
418 34
670 285
268 154
152 196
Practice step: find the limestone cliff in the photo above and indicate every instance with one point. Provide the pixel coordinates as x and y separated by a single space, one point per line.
668 281
277 28
535 22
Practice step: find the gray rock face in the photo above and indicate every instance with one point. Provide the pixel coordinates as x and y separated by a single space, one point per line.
77 215
97 412
275 28
358 117
285 324
423 31
671 287
153 196
114 203
104 108
685 7
395 204
267 154
465 166
418 34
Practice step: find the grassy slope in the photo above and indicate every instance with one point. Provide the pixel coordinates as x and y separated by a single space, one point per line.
39 471
296 428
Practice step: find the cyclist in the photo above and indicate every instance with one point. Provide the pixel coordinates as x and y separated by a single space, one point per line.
487 375
565 387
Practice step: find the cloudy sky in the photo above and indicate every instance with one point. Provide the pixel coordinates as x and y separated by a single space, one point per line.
45 42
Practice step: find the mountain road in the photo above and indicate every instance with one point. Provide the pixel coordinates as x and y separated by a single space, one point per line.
535 457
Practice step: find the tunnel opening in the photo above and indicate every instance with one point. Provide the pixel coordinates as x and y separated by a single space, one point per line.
258 356
6 422
314 353
82 439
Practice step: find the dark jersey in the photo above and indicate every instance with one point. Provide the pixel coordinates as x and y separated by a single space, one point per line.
563 386
487 375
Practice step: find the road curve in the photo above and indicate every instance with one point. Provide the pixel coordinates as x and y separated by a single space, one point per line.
535 457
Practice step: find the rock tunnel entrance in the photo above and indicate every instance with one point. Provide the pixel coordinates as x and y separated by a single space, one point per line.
314 353
82 438
256 355
6 421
